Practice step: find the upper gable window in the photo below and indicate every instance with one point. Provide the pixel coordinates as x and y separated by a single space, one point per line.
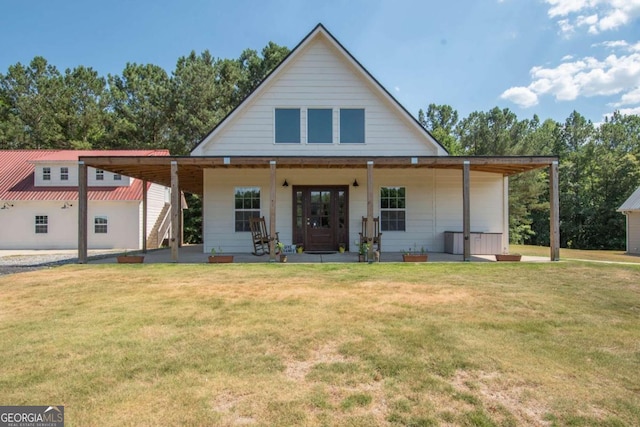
352 125
288 125
46 174
64 174
117 177
320 125
99 175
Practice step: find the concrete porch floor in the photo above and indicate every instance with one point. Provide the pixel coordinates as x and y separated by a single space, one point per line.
193 254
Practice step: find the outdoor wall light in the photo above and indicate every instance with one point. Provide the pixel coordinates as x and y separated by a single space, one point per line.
66 205
7 205
285 183
355 183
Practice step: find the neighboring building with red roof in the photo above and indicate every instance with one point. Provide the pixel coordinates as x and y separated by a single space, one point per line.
39 210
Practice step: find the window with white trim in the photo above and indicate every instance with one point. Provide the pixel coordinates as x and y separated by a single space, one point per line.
99 175
42 224
320 125
287 125
393 209
247 205
100 225
46 174
352 125
64 174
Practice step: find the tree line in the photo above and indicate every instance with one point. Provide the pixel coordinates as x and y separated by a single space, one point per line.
145 107
598 169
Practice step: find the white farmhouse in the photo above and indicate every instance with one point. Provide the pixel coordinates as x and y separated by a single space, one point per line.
39 202
320 145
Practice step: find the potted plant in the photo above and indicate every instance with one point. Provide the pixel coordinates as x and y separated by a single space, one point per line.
130 259
218 257
415 256
341 247
508 257
363 251
299 248
280 250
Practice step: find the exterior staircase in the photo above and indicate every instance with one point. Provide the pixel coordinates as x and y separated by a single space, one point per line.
160 228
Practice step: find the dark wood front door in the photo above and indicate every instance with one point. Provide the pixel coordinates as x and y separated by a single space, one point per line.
320 217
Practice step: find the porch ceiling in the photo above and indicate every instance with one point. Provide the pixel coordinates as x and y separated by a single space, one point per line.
190 169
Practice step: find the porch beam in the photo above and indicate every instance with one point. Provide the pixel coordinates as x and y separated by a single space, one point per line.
554 207
82 212
272 212
144 216
175 211
370 224
466 216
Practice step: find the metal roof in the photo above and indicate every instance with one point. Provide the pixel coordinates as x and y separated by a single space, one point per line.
17 176
632 203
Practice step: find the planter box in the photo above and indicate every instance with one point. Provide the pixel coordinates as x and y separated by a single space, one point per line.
415 258
221 259
508 257
283 258
130 259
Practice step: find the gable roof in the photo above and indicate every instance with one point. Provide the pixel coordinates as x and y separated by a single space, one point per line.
320 31
632 203
17 176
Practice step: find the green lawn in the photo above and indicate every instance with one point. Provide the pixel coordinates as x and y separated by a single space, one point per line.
328 344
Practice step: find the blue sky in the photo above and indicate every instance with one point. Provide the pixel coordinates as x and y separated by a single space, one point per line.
544 57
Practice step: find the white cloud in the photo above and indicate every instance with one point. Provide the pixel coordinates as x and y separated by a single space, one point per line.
565 7
613 44
596 15
630 98
567 58
522 96
397 88
565 26
585 77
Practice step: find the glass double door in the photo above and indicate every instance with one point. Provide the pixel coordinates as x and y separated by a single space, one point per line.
320 217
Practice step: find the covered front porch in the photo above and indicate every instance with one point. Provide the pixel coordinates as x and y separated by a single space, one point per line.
193 254
190 174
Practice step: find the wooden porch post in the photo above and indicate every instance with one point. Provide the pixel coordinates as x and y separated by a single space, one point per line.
82 212
144 216
554 207
466 205
175 211
370 209
272 212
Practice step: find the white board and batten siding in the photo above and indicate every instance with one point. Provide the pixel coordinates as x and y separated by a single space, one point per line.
318 77
633 232
433 199
19 225
488 204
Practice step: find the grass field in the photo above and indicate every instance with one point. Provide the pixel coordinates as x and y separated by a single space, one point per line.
476 344
577 254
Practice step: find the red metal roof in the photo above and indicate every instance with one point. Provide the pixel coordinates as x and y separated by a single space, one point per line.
17 175
71 155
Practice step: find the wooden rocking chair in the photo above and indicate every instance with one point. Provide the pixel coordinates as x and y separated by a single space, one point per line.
376 239
259 236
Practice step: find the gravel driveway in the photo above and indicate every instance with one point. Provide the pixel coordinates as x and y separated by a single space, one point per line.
25 260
